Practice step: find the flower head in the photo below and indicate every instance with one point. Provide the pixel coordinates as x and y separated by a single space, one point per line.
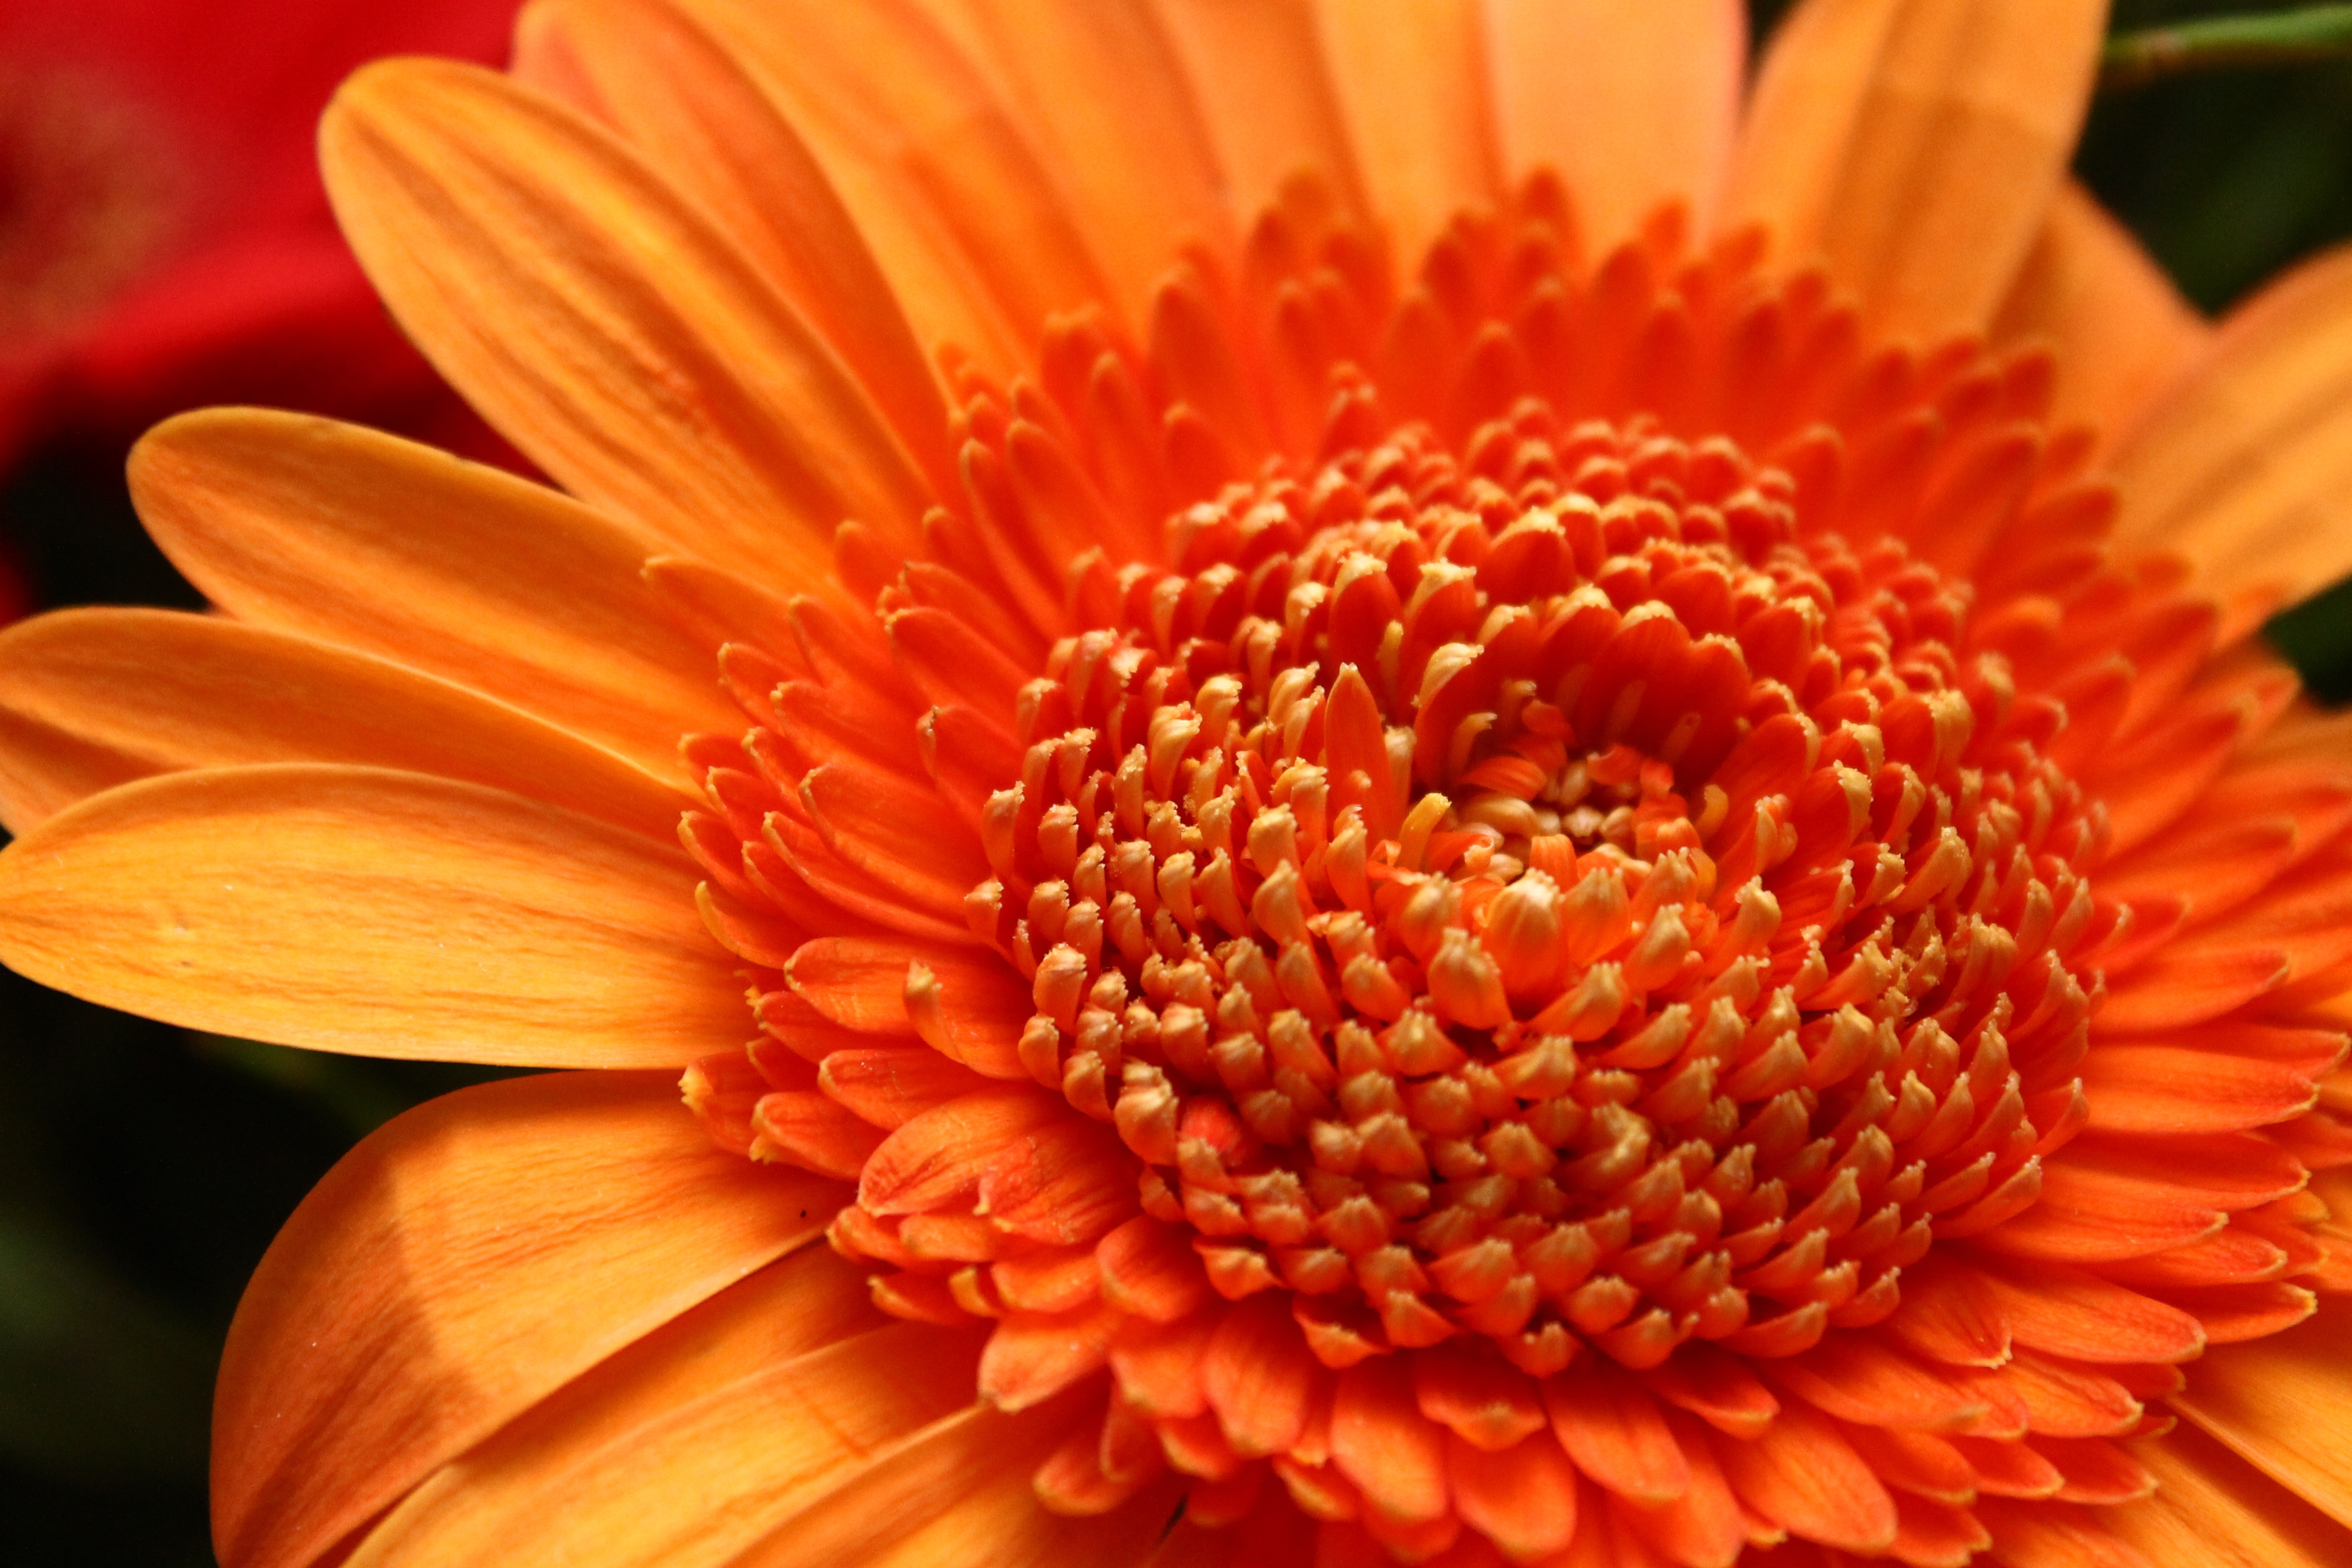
1478 805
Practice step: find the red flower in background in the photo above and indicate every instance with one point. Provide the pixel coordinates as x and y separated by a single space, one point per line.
164 240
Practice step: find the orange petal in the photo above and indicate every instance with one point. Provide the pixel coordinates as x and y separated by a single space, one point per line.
2305 917
1931 1534
887 826
972 1011
603 324
2097 1471
858 897
1634 105
1101 83
941 1156
1158 1365
1918 1463
383 913
2226 860
1411 77
694 112
1065 1183
1485 1401
1950 1314
2282 1403
2121 330
2177 990
2085 1216
2045 1534
2068 1312
1804 1477
1259 1376
2211 1506
748 1405
91 699
1258 75
1149 1268
1916 145
2061 1400
1276 1533
1855 1378
1616 1433
1704 1528
1523 1498
2242 467
461 1264
375 543
953 665
1033 1356
860 983
957 1495
891 1086
948 190
2232 1314
1381 1441
797 1127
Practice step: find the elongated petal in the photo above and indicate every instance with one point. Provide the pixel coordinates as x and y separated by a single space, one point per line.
1258 74
604 323
2071 1313
1413 80
2212 1507
945 185
2178 1089
2286 1403
359 539
693 111
1102 81
461 1264
1381 1441
1806 1478
91 699
729 1456
2242 468
1634 105
385 913
2121 330
875 821
1616 1433
957 1495
1916 145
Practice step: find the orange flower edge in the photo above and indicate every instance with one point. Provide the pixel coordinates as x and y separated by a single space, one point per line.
1551 965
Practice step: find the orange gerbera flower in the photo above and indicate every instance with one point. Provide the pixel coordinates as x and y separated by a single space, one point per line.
1530 817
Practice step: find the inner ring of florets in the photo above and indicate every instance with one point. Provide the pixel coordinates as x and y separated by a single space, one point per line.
1547 897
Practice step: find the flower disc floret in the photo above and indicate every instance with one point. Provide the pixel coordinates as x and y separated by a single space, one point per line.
1554 917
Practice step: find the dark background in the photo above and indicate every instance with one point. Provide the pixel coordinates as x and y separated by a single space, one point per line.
144 1168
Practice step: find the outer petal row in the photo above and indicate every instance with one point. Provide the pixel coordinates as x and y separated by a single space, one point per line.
458 1267
93 697
625 344
350 537
511 1313
363 909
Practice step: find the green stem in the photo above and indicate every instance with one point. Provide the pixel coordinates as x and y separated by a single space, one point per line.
2221 43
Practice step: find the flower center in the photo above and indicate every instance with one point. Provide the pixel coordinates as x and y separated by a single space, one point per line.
1546 896
1514 911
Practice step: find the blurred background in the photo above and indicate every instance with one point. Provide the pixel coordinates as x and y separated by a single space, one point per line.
165 245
